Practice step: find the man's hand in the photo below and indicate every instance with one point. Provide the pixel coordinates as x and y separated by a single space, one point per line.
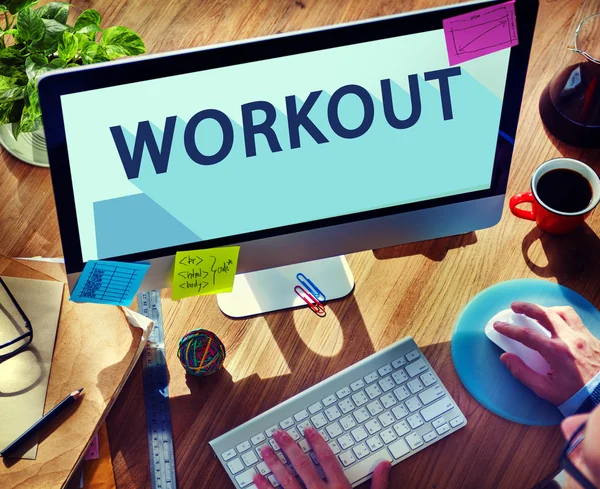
586 456
305 468
572 352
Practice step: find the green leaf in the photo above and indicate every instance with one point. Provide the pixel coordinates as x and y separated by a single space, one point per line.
52 36
93 53
5 110
87 17
35 66
58 11
12 94
82 40
67 46
12 56
31 27
15 6
122 41
90 31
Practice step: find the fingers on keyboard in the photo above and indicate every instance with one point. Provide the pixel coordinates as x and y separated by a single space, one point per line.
326 457
303 465
283 475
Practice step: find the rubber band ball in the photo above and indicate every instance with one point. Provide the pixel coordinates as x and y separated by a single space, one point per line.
201 352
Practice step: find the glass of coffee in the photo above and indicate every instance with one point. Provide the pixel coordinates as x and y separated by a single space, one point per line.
563 193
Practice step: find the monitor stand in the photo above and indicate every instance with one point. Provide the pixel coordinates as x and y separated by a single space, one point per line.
273 289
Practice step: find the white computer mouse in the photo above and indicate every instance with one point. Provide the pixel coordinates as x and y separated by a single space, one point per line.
530 357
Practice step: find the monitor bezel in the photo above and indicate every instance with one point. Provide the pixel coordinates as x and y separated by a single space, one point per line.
92 77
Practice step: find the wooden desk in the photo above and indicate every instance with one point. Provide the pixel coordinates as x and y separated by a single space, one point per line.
416 289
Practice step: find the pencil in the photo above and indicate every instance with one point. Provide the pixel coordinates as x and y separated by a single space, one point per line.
43 421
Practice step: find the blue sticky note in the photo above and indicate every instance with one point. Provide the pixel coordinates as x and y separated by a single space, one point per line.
109 282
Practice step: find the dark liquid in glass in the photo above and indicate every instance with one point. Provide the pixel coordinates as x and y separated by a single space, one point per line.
564 190
570 105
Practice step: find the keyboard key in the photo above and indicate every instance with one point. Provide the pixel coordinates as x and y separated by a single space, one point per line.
428 378
416 368
313 457
375 408
345 391
400 411
270 431
400 376
286 423
388 400
438 422
412 355
335 448
347 458
388 436
319 420
386 369
242 447
374 443
333 413
259 449
360 398
293 432
431 394
302 426
372 377
399 449
324 435
359 384
401 428
386 419
366 466
346 406
361 415
373 391
274 445
347 422
415 421
414 441
235 466
361 450
301 415
273 480
304 445
437 408
316 407
427 437
281 458
245 478
229 454
413 404
334 430
329 400
263 468
402 393
456 421
443 429
345 441
256 439
399 362
359 433
373 426
386 384
249 458
415 386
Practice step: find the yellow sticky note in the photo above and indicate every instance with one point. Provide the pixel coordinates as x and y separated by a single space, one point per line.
203 272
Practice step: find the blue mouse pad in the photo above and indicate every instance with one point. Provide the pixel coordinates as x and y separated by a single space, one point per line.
477 359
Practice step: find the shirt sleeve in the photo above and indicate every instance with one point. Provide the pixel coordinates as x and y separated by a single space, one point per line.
584 400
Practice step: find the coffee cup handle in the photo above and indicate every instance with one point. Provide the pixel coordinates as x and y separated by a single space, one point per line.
521 198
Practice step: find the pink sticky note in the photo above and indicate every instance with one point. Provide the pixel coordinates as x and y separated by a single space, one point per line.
93 451
480 32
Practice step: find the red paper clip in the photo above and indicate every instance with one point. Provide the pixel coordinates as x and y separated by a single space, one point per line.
311 300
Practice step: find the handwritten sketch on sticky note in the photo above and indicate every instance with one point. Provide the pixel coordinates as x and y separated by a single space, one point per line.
109 282
480 32
203 272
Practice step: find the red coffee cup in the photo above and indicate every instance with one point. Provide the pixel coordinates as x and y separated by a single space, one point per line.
552 220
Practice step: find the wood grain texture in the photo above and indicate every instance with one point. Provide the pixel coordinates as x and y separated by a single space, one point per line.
416 290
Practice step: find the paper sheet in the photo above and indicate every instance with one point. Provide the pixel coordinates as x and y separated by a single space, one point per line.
24 378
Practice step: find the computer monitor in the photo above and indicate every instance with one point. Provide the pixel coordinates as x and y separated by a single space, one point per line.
296 147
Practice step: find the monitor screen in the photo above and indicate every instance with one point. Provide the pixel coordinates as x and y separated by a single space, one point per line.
294 139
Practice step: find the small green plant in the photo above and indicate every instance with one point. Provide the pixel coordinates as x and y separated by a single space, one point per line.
36 41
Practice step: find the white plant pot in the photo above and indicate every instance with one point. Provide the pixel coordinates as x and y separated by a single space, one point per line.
30 147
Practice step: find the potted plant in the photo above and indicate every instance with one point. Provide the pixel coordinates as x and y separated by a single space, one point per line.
36 41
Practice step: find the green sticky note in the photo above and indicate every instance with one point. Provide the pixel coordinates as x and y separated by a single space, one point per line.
203 272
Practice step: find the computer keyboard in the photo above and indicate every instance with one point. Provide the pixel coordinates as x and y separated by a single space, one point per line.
386 407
